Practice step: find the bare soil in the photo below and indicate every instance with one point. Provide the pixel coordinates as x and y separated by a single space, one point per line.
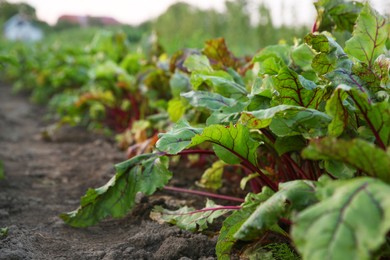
45 178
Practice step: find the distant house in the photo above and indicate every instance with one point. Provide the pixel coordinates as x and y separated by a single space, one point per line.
84 21
20 28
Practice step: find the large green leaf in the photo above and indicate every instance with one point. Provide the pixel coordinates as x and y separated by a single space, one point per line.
273 58
350 222
198 63
337 14
294 89
309 123
369 36
178 138
144 173
375 115
209 100
233 223
288 120
232 144
220 82
358 153
294 195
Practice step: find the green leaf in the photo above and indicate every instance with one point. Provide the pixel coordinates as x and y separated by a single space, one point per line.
226 115
179 83
302 56
178 138
2 175
287 120
357 153
330 55
337 110
144 173
221 82
350 222
228 142
294 195
294 89
188 218
369 36
212 177
209 100
309 123
233 223
289 144
198 63
337 14
376 116
339 170
176 109
273 58
4 232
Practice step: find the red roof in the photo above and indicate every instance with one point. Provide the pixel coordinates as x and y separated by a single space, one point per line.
84 20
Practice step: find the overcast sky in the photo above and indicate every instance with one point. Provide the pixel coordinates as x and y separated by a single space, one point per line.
138 11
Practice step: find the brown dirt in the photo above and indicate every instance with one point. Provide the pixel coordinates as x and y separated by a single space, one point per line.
46 178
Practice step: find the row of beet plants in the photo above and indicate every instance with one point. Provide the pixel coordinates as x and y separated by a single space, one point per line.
307 127
98 85
310 129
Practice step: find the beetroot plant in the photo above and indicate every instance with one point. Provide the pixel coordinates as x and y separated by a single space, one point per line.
308 125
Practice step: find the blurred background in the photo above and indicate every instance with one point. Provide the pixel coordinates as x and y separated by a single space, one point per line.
247 25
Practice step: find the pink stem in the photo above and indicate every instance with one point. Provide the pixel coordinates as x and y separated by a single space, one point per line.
203 193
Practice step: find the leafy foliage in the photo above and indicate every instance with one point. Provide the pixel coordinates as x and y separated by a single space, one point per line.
283 122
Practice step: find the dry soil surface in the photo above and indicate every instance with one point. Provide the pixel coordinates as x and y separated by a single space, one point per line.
45 178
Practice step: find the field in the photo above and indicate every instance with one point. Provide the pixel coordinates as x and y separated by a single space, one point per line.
134 152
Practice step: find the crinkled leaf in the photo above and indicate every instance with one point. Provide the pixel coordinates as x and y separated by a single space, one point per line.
375 78
220 81
337 14
178 138
294 195
329 55
294 89
233 223
338 111
209 100
263 117
218 53
376 116
309 123
369 36
143 173
232 144
302 56
273 58
212 177
350 222
287 120
188 218
357 153
198 63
